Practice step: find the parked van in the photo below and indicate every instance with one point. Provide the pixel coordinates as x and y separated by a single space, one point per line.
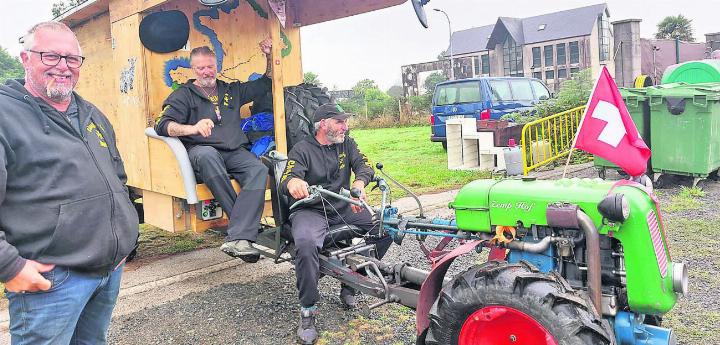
482 98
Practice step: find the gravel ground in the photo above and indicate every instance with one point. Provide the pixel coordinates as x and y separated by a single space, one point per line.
265 311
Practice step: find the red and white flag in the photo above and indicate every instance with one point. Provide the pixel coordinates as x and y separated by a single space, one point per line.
608 131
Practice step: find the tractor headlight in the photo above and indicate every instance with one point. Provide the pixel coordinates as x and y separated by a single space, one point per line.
680 278
615 207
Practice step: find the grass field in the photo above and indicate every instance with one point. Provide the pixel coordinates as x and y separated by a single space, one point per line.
408 155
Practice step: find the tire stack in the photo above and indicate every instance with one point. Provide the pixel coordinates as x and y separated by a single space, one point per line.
301 101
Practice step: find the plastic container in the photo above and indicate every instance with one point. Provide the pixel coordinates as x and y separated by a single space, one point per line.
513 159
693 72
685 123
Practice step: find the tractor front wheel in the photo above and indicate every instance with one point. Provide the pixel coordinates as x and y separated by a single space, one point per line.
499 303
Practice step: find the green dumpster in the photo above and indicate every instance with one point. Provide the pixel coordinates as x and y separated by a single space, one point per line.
685 127
637 105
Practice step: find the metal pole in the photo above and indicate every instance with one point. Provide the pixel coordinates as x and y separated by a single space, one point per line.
452 65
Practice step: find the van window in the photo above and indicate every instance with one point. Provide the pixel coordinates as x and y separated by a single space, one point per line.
541 91
468 92
521 90
500 90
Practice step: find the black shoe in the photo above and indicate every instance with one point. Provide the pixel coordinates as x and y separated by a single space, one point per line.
348 297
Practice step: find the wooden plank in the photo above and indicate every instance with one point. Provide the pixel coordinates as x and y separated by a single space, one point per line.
97 73
278 91
165 170
129 74
121 9
164 211
310 12
84 12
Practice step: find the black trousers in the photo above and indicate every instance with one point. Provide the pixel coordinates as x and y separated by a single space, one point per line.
244 209
309 227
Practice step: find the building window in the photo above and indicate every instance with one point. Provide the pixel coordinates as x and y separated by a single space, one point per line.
485 64
512 58
574 52
604 37
536 57
537 75
549 74
574 71
560 52
476 65
548 56
562 73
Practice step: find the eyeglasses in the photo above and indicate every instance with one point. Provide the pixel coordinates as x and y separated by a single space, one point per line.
52 59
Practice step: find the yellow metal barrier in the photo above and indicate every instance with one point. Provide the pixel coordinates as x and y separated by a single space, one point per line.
549 138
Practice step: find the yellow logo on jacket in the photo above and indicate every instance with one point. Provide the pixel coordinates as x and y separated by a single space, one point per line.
93 128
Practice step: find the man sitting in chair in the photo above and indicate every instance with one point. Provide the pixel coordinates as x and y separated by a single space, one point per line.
205 114
326 159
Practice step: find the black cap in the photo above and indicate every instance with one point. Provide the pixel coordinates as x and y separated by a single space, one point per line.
330 111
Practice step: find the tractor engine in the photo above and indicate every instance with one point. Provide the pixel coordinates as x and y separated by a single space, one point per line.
604 239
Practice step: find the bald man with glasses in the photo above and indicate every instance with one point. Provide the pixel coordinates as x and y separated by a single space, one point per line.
67 225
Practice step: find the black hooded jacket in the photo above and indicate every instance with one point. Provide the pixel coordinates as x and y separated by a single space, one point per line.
187 106
327 165
63 198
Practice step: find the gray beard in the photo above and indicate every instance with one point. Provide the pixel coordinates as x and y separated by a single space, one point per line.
207 82
58 94
334 137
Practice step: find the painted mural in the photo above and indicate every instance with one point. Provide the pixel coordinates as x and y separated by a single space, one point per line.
176 69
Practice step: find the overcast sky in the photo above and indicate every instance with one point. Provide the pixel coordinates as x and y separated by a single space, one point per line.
375 45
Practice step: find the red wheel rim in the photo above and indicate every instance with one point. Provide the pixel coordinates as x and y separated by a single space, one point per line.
499 325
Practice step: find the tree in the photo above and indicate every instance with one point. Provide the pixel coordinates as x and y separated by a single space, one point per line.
432 80
60 7
10 67
675 27
361 87
395 91
311 78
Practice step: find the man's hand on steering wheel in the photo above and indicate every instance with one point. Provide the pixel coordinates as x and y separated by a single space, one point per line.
298 188
361 186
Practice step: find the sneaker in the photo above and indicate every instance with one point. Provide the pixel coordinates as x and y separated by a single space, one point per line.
348 297
242 249
307 334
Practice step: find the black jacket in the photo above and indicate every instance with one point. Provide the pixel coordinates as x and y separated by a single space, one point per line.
63 198
187 106
327 165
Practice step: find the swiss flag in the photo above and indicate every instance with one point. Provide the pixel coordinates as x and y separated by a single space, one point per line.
607 130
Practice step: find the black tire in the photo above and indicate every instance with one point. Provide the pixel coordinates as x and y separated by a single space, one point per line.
301 101
546 298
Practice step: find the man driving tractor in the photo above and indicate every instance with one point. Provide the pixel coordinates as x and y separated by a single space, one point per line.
325 159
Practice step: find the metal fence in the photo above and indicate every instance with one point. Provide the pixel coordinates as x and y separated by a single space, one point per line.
545 140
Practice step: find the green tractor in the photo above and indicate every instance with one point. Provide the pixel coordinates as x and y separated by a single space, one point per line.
572 261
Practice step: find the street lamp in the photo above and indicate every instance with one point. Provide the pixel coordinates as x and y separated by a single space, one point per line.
452 65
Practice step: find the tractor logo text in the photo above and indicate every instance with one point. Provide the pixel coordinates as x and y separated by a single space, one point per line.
520 205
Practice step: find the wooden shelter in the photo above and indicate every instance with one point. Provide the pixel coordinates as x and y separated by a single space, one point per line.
129 82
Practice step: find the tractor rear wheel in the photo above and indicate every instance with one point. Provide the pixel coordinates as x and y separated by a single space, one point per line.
499 303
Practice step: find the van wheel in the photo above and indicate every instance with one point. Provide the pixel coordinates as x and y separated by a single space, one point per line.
444 143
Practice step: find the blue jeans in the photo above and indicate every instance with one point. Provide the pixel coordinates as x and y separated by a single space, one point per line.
76 310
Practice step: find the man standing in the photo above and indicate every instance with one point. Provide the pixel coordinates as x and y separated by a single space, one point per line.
205 114
66 221
326 159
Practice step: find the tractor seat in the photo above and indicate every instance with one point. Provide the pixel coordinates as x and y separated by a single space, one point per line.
338 235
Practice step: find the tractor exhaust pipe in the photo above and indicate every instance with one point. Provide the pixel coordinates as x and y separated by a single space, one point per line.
592 246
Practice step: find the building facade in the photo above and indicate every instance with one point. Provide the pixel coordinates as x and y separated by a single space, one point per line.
550 47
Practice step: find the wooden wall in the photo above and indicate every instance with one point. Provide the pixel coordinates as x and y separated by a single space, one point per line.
129 83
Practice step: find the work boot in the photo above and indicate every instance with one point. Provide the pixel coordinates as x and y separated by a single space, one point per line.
348 296
242 249
307 334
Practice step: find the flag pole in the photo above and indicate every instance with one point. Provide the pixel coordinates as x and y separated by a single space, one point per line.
582 120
